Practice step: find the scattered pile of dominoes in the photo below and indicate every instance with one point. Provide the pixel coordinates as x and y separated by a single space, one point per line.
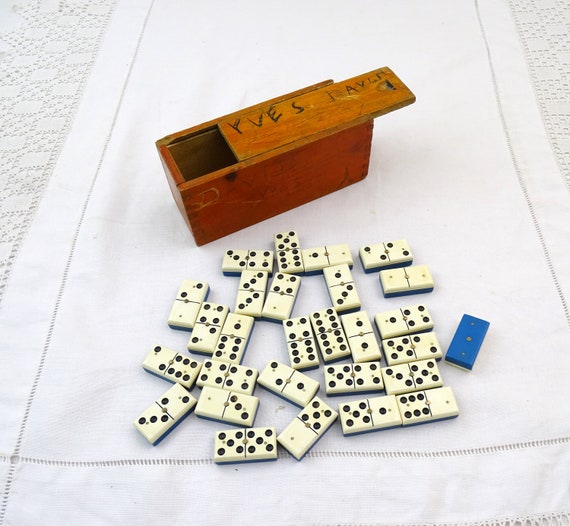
413 387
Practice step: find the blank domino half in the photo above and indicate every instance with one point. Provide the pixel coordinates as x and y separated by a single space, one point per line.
165 414
412 376
362 341
410 348
226 406
466 342
407 320
208 328
234 338
288 252
252 444
341 287
330 335
235 261
172 366
385 255
307 428
316 259
228 376
288 383
189 298
301 344
353 378
427 406
370 414
281 297
251 292
406 280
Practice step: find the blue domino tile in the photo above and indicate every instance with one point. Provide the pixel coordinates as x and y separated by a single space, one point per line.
466 342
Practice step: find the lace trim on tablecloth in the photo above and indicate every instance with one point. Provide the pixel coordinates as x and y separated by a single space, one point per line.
544 31
45 59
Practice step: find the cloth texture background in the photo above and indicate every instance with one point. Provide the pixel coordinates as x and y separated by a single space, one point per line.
475 175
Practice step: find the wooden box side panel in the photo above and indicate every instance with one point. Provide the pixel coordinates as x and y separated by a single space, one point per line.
252 193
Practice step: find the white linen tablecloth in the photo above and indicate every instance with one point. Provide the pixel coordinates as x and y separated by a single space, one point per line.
475 175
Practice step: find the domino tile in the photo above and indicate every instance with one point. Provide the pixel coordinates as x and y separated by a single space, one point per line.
427 406
370 414
362 341
189 298
307 428
172 366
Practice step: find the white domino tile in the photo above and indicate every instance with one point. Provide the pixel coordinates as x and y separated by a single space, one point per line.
251 444
407 320
427 406
406 280
307 428
172 366
234 337
251 292
342 288
288 383
330 335
288 252
281 297
362 341
370 414
301 343
411 376
235 261
207 328
189 298
316 259
165 414
228 376
227 406
384 255
353 378
413 347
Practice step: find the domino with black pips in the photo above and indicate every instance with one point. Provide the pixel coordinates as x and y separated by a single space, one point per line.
330 335
253 444
226 406
158 420
228 376
288 252
301 343
411 376
207 328
288 383
404 281
406 320
281 297
370 414
385 255
362 341
410 348
234 338
251 292
172 366
427 406
466 342
316 259
235 261
307 428
341 287
189 299
351 378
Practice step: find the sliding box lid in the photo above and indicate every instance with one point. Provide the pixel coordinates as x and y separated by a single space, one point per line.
292 119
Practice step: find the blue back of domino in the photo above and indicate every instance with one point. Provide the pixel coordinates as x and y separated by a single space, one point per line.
466 342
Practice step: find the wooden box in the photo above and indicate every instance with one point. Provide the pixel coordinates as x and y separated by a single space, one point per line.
232 172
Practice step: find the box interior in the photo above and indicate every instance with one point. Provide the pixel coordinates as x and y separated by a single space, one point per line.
201 153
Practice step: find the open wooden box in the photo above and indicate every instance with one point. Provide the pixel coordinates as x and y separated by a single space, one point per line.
232 172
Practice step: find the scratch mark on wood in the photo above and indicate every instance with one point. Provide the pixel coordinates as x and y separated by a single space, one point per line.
206 198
